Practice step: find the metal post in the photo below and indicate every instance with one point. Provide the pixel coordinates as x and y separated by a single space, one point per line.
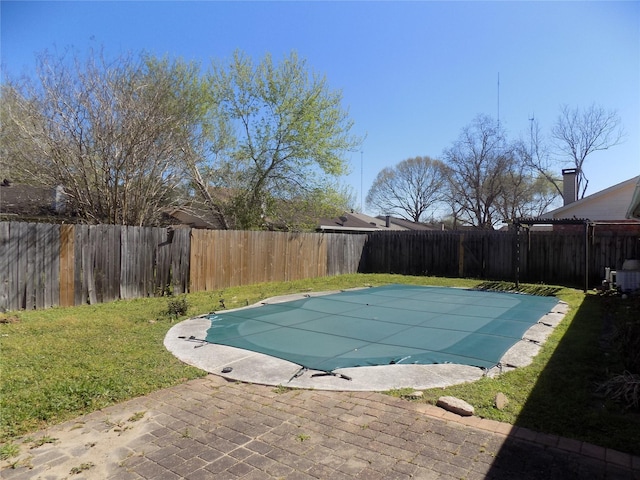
586 256
517 225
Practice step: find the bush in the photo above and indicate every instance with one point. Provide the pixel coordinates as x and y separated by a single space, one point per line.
177 307
624 389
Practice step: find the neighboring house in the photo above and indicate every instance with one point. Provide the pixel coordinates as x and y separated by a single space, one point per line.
409 225
360 223
193 217
608 207
30 203
634 207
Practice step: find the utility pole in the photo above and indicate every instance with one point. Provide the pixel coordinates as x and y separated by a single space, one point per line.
361 175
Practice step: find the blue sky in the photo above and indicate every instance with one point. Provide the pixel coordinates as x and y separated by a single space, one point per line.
412 74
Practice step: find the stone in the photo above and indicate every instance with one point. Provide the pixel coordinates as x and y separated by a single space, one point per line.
456 405
501 401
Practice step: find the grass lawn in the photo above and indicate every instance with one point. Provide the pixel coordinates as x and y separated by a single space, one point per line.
59 363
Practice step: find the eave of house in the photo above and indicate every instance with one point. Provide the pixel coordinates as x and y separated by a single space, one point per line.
634 207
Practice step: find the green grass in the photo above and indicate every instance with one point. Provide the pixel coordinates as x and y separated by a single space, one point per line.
59 363
557 393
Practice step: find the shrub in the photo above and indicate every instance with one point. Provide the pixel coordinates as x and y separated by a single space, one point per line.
177 307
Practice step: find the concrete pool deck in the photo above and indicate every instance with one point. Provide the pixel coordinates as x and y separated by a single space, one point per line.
184 340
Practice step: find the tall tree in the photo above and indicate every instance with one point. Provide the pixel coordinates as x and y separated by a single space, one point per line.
476 164
525 193
112 132
578 133
289 134
409 189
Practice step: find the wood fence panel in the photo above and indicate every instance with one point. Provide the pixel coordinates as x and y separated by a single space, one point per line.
142 275
278 258
354 258
611 249
341 252
221 259
104 260
30 278
81 235
15 263
234 246
22 249
50 265
303 256
198 260
40 280
30 268
292 260
258 261
195 261
180 253
128 251
67 265
7 258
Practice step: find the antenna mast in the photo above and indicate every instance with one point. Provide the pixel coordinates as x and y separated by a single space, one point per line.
531 120
498 100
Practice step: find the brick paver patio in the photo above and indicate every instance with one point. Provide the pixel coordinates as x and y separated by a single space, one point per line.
210 429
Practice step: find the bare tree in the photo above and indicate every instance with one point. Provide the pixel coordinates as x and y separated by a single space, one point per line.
409 189
113 133
524 193
476 165
491 179
538 158
578 133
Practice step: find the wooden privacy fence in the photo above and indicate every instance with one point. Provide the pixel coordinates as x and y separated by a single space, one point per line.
451 254
547 257
225 258
46 265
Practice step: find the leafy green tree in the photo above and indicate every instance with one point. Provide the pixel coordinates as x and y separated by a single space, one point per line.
287 136
410 189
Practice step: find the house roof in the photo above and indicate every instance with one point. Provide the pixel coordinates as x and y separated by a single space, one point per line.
17 199
348 222
610 204
359 222
409 225
194 217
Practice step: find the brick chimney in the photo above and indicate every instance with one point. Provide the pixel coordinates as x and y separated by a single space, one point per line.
569 185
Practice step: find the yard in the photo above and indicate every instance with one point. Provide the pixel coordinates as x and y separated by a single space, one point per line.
63 362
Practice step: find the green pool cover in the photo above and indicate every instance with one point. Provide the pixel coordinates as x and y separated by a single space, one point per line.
393 324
